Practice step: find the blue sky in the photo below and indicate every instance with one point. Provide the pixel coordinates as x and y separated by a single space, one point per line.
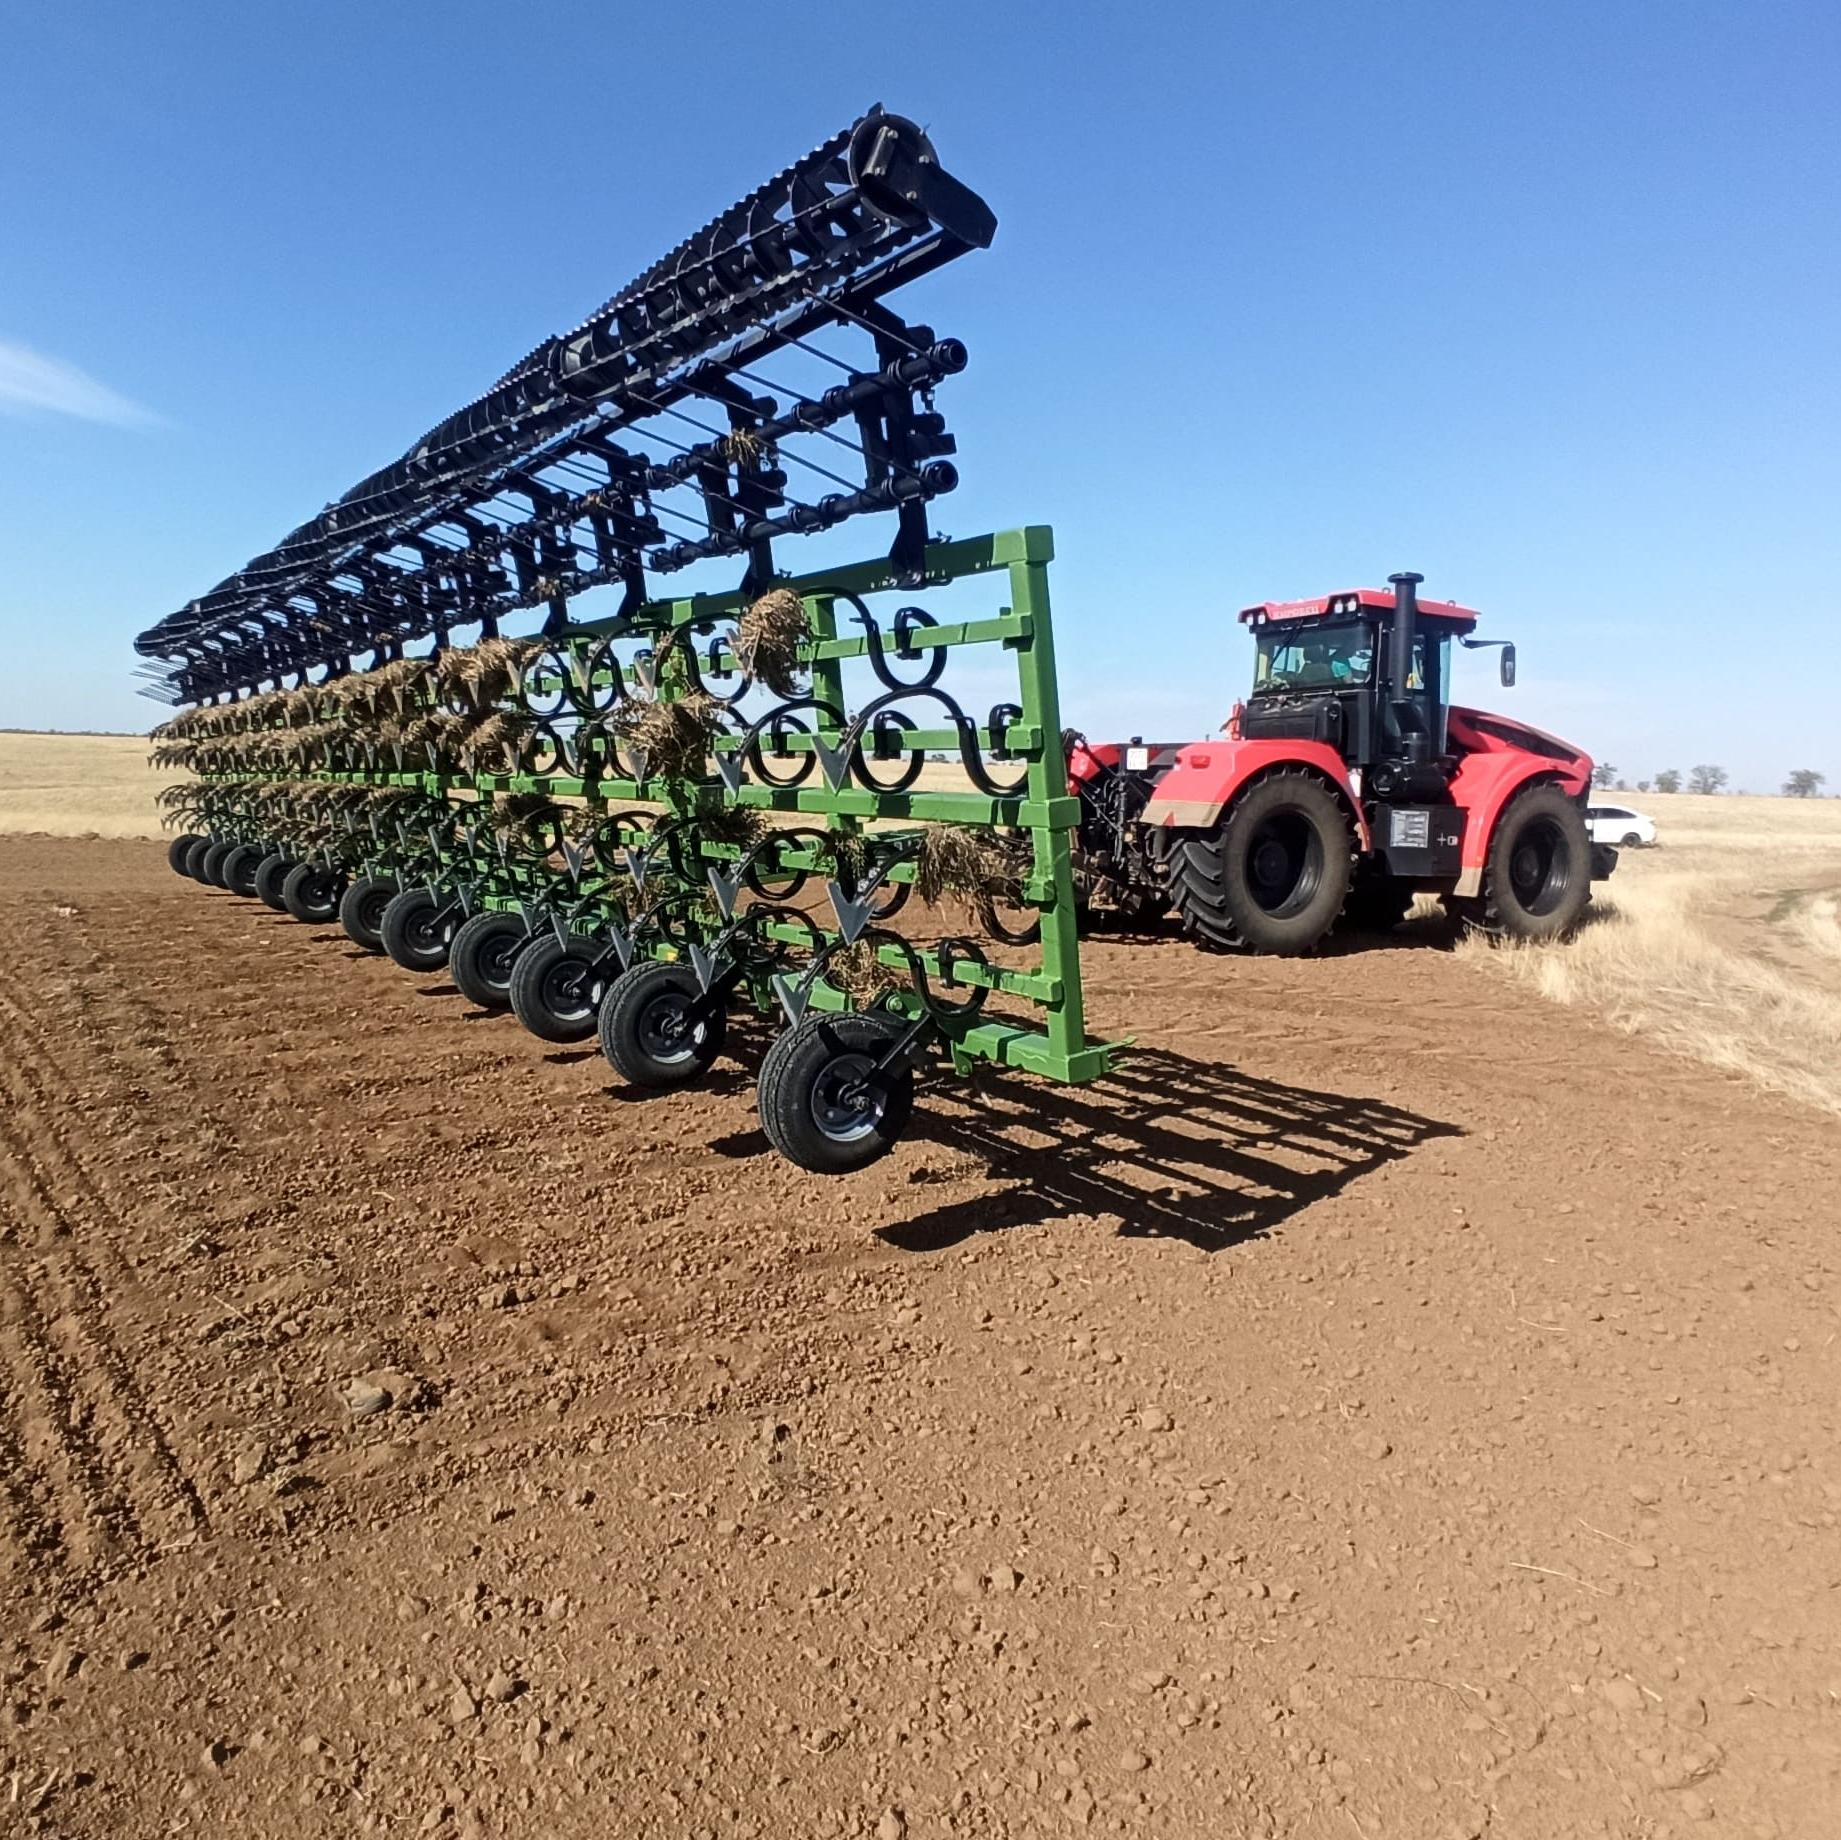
1542 301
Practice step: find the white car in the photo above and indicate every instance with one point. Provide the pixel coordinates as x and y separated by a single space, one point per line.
1619 826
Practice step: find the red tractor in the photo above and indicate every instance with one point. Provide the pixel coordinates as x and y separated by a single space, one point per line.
1344 785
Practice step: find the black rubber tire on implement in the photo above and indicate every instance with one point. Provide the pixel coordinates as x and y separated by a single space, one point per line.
179 850
484 954
271 872
195 859
643 1027
1272 876
1537 878
211 863
1377 905
552 992
239 869
361 910
410 932
813 1104
312 893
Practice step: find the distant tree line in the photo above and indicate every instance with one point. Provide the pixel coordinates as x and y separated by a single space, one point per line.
1804 783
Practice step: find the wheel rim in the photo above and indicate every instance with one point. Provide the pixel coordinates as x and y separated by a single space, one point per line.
1540 867
425 932
844 1106
568 992
666 1031
321 894
371 909
500 955
1284 863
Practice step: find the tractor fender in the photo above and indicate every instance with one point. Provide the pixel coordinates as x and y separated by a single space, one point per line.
1502 757
1208 775
1482 787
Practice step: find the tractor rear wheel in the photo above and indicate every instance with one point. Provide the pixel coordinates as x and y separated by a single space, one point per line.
1273 874
361 911
271 872
483 955
555 990
1537 877
412 931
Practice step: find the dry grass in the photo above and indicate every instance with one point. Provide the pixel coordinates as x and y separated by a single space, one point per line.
1723 943
79 786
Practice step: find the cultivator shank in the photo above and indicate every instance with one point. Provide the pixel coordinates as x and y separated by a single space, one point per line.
647 824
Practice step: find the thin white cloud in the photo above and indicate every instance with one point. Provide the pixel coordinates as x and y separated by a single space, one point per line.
31 383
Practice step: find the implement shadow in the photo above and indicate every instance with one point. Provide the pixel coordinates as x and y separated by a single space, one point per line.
1167 1146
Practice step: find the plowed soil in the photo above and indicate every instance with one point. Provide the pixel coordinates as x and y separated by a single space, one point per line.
1390 1407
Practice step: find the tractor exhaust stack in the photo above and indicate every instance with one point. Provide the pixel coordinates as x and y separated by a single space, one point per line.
1400 663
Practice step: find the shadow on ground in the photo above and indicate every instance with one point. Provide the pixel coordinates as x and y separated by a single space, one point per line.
1167 1146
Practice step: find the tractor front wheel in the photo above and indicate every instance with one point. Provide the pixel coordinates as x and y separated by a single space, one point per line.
1273 874
1537 878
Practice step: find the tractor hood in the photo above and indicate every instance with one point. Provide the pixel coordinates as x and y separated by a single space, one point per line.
1480 731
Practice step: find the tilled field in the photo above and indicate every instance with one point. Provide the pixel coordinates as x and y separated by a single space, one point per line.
1390 1407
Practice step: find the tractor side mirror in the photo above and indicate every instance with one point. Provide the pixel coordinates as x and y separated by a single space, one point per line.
1508 667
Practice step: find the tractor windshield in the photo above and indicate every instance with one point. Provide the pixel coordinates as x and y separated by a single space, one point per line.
1341 658
1315 658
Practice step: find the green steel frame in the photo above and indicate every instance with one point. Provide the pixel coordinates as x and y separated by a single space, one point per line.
1052 1042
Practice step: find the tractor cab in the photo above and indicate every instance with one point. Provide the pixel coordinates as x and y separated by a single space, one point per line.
1366 673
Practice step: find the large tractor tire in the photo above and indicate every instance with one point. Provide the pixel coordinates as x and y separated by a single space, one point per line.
1537 878
1272 876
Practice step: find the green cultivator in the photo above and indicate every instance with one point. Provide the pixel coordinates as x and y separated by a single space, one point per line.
768 799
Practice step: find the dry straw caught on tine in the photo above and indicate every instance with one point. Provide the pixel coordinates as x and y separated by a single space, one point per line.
674 737
486 673
768 637
859 973
975 867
